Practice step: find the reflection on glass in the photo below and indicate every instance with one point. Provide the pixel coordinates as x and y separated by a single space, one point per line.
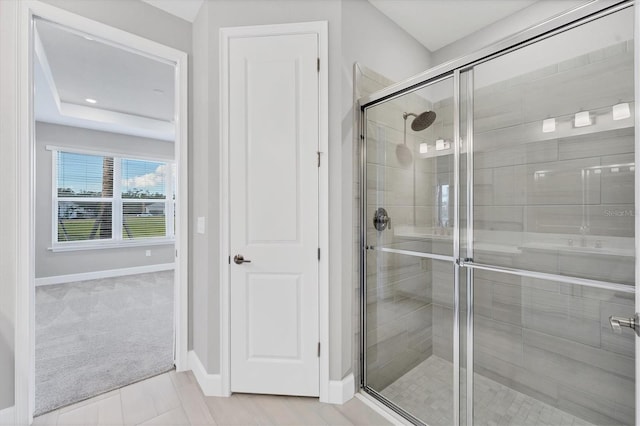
410 169
409 333
558 198
554 192
544 350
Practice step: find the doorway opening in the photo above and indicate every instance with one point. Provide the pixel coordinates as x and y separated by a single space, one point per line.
106 300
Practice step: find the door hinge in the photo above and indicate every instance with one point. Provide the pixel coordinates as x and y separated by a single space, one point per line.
319 158
318 64
176 253
229 260
318 253
318 349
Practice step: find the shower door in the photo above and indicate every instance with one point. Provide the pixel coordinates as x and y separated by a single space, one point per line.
552 227
410 252
499 240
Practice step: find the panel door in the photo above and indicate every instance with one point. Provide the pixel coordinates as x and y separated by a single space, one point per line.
274 214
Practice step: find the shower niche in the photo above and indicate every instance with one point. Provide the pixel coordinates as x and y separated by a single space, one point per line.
509 236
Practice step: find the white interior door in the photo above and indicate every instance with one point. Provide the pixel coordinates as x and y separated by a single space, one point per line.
273 135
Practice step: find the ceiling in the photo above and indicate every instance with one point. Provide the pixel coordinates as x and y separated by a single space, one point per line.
437 23
185 9
134 94
428 21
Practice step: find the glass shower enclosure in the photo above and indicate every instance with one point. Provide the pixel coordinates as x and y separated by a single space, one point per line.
498 234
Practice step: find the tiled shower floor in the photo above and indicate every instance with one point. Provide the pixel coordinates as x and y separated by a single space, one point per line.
426 392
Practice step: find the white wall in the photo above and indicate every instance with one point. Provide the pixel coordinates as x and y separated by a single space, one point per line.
512 24
368 36
373 40
49 263
214 15
204 328
133 16
9 196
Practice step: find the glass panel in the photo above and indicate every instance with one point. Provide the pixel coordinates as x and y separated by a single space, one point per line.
554 154
143 219
144 179
82 175
554 192
84 220
410 170
409 333
545 354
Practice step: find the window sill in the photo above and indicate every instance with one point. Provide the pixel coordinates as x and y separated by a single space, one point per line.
102 245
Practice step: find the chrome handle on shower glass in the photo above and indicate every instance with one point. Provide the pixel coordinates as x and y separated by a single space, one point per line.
239 259
381 219
618 322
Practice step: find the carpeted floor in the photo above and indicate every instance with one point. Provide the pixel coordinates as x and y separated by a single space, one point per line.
95 336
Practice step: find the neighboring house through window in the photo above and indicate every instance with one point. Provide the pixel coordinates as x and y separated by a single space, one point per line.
109 200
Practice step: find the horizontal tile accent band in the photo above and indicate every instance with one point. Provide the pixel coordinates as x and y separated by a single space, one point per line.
416 254
552 277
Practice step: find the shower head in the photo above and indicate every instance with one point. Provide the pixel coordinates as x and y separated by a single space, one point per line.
419 123
422 121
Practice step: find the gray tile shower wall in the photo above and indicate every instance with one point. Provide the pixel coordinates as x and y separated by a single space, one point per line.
399 308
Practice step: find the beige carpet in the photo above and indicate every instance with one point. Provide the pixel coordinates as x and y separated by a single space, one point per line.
99 335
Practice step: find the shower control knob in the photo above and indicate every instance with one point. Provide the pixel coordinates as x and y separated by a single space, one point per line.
381 219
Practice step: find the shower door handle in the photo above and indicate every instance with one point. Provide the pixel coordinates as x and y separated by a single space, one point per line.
618 322
239 259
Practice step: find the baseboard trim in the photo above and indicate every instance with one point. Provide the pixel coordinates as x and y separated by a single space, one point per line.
211 384
61 279
7 416
341 391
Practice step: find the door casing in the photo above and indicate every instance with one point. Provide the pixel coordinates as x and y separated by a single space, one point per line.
25 294
226 34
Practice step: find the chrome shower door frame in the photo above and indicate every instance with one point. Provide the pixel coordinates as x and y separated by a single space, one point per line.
454 69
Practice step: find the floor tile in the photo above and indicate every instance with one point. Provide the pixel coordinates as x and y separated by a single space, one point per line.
359 414
147 399
175 399
48 419
175 417
102 412
194 405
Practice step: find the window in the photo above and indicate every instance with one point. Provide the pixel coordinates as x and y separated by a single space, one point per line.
109 200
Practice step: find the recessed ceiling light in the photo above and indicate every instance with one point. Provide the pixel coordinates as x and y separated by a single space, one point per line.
91 101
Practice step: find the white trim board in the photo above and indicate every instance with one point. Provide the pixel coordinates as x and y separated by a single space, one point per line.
210 384
341 391
321 28
7 416
21 29
110 273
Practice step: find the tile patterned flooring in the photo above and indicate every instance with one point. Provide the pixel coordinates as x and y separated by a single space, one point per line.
175 399
426 392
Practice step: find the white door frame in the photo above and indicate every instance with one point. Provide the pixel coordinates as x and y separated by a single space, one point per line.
226 34
25 250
